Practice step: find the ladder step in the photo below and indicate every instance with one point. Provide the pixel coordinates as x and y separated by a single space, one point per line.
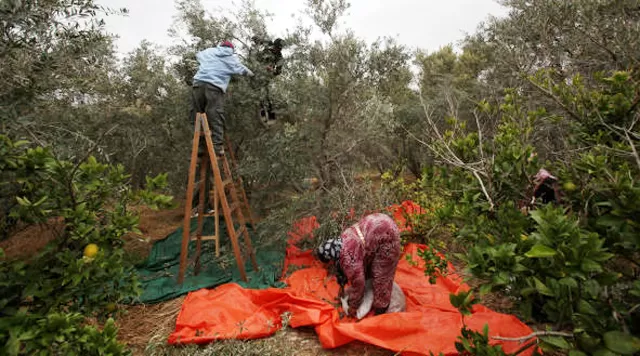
220 167
233 207
241 231
203 238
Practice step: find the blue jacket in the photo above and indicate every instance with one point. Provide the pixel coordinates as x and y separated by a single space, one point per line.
217 65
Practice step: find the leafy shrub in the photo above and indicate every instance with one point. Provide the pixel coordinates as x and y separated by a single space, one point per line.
472 342
58 334
420 224
612 197
572 263
554 270
89 205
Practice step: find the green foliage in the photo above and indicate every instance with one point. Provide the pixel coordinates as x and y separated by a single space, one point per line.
463 301
435 263
472 342
475 343
58 334
573 265
621 343
566 265
91 202
48 46
422 191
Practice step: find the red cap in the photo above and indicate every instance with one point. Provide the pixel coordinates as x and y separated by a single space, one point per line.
226 44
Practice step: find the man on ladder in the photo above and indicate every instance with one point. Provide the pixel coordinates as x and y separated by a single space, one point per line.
210 83
216 66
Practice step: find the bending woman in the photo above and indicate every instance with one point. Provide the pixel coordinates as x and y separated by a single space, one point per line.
369 249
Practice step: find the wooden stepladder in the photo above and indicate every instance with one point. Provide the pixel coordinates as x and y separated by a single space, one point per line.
218 198
240 183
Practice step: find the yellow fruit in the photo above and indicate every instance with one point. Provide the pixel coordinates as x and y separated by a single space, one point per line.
569 186
111 307
91 250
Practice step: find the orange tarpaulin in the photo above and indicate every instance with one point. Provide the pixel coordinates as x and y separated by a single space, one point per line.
430 323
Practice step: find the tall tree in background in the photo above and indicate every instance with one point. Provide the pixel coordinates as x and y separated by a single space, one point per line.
338 98
54 57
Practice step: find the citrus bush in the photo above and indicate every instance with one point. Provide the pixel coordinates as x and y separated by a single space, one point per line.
572 263
59 334
81 273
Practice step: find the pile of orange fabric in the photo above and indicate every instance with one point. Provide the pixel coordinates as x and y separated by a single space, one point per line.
430 323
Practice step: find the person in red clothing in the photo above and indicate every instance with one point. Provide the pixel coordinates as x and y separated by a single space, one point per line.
367 250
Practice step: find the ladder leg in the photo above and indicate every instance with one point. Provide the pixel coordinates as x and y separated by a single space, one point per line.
216 212
240 183
241 220
186 226
246 202
225 205
203 181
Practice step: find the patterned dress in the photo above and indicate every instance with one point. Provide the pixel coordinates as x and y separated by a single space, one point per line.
370 250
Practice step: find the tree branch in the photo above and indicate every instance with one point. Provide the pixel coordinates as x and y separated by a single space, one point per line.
531 336
555 99
452 158
484 190
475 114
633 148
625 135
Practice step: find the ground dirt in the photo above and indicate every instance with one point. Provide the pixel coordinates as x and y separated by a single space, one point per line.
27 241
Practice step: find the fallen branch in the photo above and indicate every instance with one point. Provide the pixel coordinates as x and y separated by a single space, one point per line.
531 336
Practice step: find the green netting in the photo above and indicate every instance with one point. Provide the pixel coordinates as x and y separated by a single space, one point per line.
158 274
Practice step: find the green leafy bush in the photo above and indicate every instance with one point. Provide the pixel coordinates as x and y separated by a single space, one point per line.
572 263
88 205
472 342
58 334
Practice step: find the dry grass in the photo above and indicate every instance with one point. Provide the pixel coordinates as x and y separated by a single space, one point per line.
154 225
28 241
141 325
286 342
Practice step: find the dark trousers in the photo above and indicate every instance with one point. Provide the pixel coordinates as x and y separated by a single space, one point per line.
265 102
261 85
209 99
